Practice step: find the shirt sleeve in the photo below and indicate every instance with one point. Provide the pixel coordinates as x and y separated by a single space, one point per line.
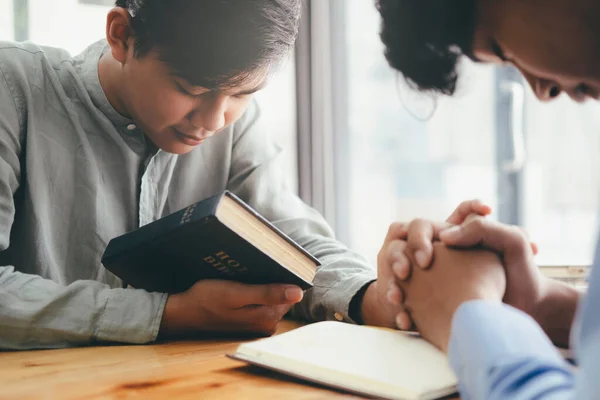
39 313
499 352
256 176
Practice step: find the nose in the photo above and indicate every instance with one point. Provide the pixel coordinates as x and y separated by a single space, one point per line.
544 89
209 114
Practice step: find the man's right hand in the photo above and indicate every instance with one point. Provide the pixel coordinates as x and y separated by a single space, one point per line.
526 284
552 304
227 306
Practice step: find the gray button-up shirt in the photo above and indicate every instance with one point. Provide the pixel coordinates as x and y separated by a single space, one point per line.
74 174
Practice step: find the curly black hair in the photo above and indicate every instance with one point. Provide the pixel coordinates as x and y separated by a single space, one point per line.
424 40
216 43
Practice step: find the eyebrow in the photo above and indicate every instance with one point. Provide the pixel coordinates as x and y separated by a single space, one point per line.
250 91
187 85
241 93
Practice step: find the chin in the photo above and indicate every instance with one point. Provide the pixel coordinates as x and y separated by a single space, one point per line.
177 148
171 146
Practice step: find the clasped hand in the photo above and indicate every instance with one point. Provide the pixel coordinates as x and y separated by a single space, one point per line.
431 268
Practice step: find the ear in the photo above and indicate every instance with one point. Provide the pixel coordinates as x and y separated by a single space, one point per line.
119 33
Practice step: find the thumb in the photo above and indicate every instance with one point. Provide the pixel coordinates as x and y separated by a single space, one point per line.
267 295
467 208
490 234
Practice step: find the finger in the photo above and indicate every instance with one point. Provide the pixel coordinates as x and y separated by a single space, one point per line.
268 295
490 234
396 262
397 230
534 248
468 207
524 231
470 218
394 294
420 235
402 268
262 319
403 321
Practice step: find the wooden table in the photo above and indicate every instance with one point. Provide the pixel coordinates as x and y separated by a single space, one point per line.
178 370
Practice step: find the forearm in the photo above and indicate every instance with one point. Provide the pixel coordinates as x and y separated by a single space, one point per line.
257 177
337 282
555 313
39 313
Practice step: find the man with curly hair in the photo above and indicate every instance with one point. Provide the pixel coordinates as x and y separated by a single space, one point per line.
499 329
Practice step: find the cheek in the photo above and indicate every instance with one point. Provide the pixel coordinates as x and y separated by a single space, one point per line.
163 109
236 110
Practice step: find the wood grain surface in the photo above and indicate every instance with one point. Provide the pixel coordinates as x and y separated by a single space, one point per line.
196 369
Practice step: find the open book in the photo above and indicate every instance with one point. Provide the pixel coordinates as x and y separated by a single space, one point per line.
370 361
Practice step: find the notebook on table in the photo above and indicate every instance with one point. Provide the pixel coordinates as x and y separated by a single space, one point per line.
370 361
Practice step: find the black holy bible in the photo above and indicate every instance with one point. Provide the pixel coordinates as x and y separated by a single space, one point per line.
220 237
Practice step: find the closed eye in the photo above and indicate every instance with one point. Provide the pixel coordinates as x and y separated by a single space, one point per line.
185 89
497 50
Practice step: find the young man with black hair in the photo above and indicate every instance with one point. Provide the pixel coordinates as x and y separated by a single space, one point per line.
154 118
498 351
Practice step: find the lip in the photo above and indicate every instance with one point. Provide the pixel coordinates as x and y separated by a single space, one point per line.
187 139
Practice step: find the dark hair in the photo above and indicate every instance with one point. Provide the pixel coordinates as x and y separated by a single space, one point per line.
424 40
215 43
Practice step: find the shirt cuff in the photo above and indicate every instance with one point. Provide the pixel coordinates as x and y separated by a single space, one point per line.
337 299
130 316
487 335
354 309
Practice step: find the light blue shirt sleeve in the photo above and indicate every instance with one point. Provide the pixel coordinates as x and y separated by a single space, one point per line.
499 352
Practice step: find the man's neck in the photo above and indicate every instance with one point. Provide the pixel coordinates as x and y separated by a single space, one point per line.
109 74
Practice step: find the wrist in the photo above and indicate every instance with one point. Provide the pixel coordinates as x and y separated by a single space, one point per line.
555 310
355 306
172 323
542 304
376 312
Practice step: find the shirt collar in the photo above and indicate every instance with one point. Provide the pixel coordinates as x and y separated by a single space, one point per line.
89 74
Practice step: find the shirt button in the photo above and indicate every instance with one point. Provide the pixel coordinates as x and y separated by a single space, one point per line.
338 316
131 127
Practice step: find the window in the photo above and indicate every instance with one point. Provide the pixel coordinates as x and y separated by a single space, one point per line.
75 24
68 24
99 2
278 109
398 164
6 20
402 164
562 178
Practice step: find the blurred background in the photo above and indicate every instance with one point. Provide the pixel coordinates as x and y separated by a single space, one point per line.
365 151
